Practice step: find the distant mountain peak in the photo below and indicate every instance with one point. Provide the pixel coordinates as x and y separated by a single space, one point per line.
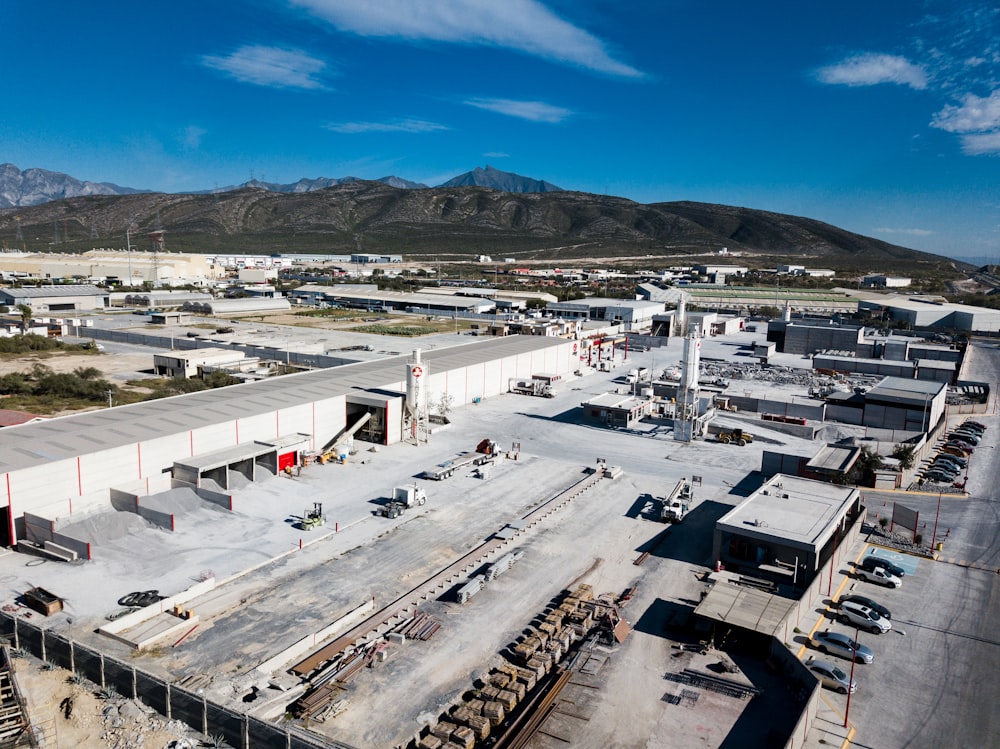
36 186
500 180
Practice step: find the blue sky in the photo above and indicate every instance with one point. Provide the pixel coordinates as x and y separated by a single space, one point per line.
881 117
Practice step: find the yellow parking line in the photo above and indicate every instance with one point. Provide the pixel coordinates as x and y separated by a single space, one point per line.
834 597
849 739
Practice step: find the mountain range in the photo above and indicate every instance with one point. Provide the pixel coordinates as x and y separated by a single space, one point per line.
451 223
36 186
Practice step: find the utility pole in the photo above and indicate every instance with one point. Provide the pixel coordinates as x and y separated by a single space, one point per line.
110 393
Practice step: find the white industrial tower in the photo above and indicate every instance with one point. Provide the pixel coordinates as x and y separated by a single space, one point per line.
688 395
415 416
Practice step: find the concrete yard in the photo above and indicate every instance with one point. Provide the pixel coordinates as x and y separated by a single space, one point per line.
276 583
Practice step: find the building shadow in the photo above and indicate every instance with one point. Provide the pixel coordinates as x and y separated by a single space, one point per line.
749 484
690 540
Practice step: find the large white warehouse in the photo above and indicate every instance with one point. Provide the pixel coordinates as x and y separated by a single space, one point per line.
68 465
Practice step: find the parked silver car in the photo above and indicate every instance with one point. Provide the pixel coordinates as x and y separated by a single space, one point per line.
859 615
831 677
836 643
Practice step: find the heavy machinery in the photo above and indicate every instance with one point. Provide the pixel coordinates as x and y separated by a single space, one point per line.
313 518
403 498
484 452
736 435
678 503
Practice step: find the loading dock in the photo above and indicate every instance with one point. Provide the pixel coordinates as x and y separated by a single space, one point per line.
243 459
386 424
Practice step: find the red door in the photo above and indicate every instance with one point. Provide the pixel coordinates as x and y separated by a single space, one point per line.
286 461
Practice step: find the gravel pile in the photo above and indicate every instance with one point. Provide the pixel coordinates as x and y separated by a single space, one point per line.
104 527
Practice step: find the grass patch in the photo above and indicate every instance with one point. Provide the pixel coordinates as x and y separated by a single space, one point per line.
18 345
407 331
336 314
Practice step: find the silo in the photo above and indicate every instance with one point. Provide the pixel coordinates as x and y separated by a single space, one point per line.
416 384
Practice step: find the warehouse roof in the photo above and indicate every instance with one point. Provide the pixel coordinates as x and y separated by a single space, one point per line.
70 436
904 391
40 292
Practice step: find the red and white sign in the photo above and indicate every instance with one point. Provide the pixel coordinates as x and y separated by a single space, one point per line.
417 371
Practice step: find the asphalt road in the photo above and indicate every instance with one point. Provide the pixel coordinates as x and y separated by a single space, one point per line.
934 680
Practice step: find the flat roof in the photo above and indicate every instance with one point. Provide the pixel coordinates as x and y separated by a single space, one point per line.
613 400
834 458
937 364
67 437
905 390
745 607
798 511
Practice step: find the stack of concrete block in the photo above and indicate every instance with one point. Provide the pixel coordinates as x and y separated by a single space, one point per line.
518 688
463 737
508 699
527 677
443 730
494 712
488 693
498 679
480 726
476 723
539 665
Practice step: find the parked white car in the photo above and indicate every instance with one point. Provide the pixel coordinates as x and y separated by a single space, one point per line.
864 617
879 576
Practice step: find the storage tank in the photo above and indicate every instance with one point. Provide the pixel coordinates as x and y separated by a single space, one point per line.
416 384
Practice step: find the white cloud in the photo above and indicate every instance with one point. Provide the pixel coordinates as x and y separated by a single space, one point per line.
535 111
496 155
270 66
981 144
524 25
976 119
909 232
870 68
394 126
191 136
975 114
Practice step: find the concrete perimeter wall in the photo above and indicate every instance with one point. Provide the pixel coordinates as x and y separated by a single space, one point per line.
796 671
175 703
40 530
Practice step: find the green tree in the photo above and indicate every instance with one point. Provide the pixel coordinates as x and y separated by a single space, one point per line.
905 455
25 310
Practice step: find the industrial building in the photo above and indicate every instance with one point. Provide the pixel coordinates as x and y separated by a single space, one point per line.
68 465
895 403
120 266
615 410
51 299
787 529
245 305
633 314
809 337
881 281
368 296
921 313
189 363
